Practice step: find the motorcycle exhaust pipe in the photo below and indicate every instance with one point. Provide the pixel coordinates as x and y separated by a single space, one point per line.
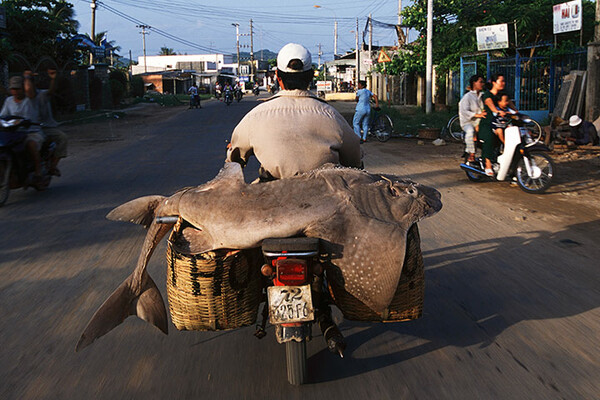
167 220
472 169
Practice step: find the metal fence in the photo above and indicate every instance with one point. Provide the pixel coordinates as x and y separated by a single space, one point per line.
534 82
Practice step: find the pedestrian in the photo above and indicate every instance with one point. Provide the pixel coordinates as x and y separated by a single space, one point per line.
470 111
362 112
582 132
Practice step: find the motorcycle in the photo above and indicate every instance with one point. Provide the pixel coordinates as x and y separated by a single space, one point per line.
238 94
16 168
228 97
256 90
295 276
523 159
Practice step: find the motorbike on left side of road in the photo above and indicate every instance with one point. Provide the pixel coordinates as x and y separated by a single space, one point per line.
16 167
524 160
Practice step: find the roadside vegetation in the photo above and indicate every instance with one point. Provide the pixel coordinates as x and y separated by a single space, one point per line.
408 120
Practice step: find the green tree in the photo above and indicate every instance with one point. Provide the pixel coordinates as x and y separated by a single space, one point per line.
38 28
166 51
455 21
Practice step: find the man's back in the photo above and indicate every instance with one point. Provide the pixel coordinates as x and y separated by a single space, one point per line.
294 132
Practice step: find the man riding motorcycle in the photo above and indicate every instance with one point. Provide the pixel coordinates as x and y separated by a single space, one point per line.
19 105
295 132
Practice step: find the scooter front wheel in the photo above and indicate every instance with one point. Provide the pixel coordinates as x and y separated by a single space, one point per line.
295 354
539 176
474 177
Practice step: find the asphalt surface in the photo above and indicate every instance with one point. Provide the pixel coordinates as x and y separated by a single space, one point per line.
511 307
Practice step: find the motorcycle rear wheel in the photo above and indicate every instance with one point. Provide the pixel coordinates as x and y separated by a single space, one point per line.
295 354
5 166
536 184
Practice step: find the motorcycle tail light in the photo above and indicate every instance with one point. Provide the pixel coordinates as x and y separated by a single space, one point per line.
292 272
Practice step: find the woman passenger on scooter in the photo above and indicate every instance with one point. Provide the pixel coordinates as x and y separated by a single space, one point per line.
490 141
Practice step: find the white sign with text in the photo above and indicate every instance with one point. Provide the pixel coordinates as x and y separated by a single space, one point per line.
492 37
567 16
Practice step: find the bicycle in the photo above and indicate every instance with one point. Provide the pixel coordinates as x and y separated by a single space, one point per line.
453 130
381 125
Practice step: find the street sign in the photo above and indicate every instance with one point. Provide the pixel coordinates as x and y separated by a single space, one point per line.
492 37
324 86
383 57
567 16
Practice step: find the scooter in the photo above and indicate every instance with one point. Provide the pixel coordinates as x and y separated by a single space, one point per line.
228 97
523 160
16 168
256 90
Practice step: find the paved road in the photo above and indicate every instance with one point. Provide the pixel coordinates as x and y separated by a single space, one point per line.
511 307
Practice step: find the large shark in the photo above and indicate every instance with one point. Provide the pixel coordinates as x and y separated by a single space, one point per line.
363 218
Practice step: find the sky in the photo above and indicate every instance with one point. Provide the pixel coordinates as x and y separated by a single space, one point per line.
200 26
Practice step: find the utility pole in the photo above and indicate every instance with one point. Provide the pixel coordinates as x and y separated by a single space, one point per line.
93 32
251 53
335 39
144 33
237 45
399 21
320 53
429 61
592 95
357 57
370 36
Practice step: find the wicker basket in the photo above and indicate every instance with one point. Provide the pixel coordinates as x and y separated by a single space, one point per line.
407 303
429 133
211 291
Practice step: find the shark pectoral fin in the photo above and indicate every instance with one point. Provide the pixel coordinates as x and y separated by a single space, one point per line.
139 211
122 303
199 241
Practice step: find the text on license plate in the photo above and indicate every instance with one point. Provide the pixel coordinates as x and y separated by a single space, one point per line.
290 304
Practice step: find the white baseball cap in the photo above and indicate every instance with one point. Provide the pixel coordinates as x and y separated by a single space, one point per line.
574 120
293 51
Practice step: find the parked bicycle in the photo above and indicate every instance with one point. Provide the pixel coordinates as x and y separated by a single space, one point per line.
453 131
381 125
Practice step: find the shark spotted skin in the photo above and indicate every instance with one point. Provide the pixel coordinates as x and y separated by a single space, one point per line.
362 218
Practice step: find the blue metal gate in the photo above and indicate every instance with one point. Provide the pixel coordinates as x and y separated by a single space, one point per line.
534 82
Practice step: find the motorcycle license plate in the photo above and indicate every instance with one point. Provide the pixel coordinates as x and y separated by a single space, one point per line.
290 304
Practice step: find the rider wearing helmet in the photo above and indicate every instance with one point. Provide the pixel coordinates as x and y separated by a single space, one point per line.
294 131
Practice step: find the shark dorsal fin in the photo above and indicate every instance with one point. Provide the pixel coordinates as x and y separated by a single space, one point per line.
231 174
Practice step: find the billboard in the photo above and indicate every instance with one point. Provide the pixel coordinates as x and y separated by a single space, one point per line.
567 16
492 37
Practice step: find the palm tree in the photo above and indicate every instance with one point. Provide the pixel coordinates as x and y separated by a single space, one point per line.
166 51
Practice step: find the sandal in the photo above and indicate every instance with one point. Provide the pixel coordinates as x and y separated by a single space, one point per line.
489 172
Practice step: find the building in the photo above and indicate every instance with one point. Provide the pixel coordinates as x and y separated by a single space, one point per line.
184 62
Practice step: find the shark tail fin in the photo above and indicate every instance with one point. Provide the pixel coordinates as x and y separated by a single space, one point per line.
139 211
123 302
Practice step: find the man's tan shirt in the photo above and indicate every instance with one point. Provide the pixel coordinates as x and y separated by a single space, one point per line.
294 132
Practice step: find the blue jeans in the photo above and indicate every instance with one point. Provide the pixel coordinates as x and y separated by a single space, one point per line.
361 116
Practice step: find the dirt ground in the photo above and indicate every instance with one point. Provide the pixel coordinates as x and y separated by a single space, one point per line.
575 191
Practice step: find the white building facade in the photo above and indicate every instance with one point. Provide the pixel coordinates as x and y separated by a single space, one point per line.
188 62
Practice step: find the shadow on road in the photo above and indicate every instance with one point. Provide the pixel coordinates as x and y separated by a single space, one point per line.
474 292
